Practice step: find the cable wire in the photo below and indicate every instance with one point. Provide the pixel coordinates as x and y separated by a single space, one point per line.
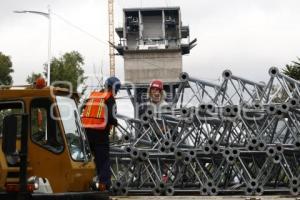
80 29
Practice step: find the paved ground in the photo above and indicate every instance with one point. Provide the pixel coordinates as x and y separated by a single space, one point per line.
204 198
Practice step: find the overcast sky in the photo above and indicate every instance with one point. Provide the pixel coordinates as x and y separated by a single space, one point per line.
246 36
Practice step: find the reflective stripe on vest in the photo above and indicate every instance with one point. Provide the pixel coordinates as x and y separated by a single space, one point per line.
94 115
101 104
89 108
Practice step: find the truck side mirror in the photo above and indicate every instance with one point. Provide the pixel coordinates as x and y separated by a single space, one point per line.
10 128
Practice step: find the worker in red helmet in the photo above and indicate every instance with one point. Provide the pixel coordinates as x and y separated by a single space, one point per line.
156 92
155 98
156 102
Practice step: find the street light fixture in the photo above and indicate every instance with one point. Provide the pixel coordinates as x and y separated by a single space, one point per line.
47 15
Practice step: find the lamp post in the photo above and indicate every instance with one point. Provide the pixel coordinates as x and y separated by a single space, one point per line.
47 15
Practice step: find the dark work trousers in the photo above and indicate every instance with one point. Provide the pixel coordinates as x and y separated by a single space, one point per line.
99 144
103 163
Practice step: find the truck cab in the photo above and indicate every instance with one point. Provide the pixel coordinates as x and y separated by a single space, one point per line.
57 147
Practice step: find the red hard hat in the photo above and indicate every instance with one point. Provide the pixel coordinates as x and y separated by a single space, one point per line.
158 84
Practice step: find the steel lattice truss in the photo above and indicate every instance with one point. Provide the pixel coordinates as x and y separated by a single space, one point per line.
237 137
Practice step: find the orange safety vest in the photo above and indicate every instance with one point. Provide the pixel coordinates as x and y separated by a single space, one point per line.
94 115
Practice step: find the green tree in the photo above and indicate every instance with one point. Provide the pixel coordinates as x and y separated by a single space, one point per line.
5 70
293 70
67 68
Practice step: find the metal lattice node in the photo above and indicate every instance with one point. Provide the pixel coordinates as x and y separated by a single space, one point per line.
239 137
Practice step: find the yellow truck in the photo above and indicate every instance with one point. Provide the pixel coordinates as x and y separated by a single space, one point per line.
44 150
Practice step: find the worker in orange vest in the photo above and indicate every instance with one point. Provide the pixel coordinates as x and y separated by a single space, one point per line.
98 117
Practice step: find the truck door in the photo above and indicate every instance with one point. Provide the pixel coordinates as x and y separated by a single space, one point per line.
9 166
47 153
